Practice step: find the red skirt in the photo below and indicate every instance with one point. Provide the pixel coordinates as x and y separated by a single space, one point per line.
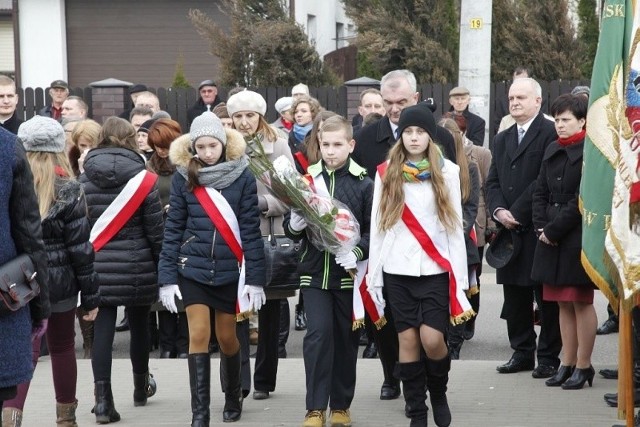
563 293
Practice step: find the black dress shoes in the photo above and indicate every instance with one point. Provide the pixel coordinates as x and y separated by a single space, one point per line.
516 365
544 371
611 399
389 391
609 374
609 326
260 395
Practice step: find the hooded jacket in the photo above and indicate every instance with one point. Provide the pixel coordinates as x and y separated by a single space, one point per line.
193 248
127 263
65 231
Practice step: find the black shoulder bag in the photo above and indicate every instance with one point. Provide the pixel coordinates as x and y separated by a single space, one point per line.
18 284
281 256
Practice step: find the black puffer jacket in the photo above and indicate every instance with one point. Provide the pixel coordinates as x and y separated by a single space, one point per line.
351 186
65 231
127 263
193 248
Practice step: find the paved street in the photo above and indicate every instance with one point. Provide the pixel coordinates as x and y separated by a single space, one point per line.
478 395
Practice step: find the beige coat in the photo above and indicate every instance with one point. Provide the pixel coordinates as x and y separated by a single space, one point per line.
482 157
275 208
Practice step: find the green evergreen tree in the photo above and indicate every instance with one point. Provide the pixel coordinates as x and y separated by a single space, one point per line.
179 79
588 33
263 47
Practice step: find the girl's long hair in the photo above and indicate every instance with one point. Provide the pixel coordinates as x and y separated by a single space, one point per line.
461 157
194 166
43 167
392 202
311 141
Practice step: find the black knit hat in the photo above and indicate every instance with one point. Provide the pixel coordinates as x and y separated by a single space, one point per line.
144 127
418 115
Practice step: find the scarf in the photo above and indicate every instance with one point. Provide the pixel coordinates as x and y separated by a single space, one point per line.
416 172
299 132
576 137
221 175
286 123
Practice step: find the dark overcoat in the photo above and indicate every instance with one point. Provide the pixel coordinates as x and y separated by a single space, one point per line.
510 185
555 210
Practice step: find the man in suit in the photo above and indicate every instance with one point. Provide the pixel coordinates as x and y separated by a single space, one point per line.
8 103
517 157
459 98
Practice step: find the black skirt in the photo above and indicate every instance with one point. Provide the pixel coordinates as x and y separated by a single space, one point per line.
416 301
222 298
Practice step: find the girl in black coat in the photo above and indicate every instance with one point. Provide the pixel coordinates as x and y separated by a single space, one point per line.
558 223
65 230
199 263
126 263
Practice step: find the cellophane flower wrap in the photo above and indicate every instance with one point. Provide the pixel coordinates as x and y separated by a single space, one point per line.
331 225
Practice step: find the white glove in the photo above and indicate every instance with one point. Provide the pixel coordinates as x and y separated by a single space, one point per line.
257 298
168 295
347 260
376 295
297 222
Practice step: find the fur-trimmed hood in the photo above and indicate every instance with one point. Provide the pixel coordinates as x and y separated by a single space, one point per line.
69 191
180 152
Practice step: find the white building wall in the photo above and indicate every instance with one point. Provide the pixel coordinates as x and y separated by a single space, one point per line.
43 42
324 21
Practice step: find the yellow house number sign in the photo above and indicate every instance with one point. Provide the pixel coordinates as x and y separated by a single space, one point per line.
476 23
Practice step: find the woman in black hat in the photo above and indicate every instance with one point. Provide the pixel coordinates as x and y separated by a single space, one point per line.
558 223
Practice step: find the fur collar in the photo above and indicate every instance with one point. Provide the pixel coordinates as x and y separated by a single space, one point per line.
69 191
180 151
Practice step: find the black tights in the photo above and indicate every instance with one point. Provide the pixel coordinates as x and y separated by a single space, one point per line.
104 331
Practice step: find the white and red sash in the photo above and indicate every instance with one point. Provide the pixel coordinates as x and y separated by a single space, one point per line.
224 219
361 299
122 209
459 308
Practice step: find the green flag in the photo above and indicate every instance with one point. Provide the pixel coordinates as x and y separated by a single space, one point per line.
603 127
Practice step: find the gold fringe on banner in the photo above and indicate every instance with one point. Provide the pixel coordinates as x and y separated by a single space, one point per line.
461 318
358 323
379 324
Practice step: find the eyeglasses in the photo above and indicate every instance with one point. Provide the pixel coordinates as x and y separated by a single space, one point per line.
206 91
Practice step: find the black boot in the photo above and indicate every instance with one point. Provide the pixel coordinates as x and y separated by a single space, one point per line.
413 380
144 386
200 382
301 318
124 323
470 325
230 379
105 409
455 339
437 379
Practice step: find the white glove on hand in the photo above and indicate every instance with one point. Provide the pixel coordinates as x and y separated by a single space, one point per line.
297 222
347 260
257 298
376 295
168 295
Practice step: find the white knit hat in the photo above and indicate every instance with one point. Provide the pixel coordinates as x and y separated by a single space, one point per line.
207 124
41 133
246 100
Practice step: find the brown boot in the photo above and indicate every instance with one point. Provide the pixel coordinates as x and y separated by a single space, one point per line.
86 327
11 417
66 414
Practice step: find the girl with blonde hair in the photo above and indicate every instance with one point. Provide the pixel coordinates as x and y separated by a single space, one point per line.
417 253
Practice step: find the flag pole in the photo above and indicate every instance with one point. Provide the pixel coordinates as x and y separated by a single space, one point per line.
625 372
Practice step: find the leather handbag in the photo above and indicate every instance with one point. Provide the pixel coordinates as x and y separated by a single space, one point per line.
281 257
18 284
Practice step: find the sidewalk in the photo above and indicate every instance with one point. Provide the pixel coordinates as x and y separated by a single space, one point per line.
478 397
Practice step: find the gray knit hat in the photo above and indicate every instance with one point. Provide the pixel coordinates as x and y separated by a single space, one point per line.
42 134
207 124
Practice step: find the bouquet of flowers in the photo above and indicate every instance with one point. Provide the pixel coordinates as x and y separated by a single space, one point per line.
330 224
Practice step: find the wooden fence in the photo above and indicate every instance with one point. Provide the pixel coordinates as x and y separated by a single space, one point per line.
176 101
